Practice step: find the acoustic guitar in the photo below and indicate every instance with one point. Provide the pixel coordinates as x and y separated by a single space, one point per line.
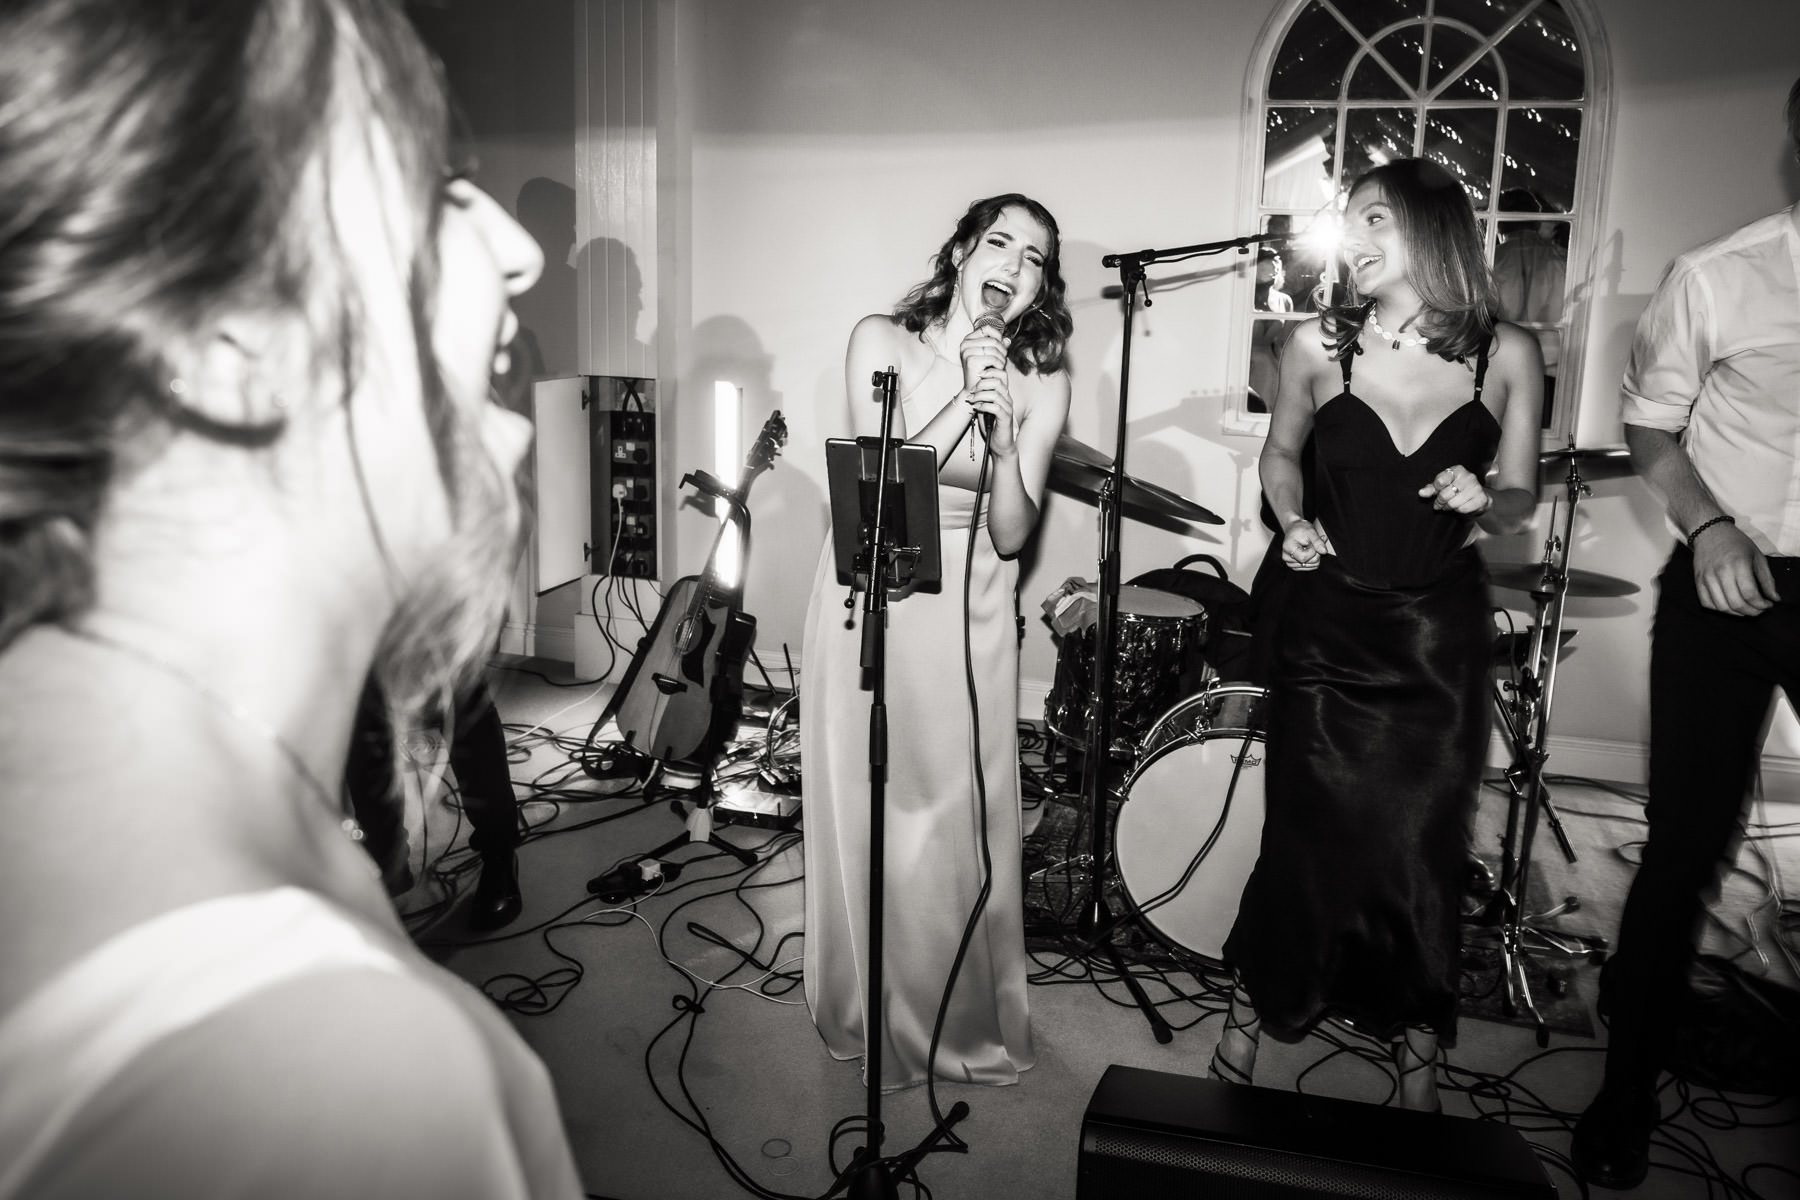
683 692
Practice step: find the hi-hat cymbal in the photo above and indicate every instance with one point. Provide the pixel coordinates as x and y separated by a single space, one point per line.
1080 470
1525 577
1594 462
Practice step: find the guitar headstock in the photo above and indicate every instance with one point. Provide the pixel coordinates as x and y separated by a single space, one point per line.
769 442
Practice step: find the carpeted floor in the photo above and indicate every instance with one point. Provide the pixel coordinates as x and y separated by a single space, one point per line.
687 1066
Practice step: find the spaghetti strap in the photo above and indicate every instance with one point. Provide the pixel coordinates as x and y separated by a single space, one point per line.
1344 364
1481 360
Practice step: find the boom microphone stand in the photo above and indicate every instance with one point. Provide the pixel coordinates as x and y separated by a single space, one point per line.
869 1176
1097 918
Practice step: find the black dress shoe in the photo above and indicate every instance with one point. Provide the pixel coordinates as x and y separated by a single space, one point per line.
497 900
1611 1147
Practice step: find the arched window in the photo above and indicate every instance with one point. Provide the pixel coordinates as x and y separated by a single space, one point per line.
1509 95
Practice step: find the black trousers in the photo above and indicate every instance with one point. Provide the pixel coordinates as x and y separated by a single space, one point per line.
1712 681
477 756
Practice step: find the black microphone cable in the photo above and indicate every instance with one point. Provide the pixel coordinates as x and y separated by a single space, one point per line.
951 1142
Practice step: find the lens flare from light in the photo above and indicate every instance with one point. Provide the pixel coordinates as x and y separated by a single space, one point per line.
1320 240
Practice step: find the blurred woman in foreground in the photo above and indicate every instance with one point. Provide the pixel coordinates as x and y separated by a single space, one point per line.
248 319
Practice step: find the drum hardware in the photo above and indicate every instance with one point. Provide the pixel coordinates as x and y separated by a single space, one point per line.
1526 716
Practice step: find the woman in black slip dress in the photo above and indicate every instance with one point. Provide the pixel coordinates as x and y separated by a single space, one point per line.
1377 724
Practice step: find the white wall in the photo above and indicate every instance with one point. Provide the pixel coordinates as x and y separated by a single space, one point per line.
819 152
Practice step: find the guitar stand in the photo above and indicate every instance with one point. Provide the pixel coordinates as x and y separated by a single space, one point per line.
699 818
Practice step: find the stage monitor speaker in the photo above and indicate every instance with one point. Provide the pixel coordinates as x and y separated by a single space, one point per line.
1149 1134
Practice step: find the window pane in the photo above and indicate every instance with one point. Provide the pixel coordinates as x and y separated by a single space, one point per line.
1486 16
1297 148
1450 50
1542 146
1372 81
1311 63
1543 60
1373 136
1462 140
1372 16
1267 337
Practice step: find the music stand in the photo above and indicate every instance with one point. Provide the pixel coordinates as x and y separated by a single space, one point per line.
879 487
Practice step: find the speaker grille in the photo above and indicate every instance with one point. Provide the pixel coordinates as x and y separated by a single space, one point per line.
1307 1176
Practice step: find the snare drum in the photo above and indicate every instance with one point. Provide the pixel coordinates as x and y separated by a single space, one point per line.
1154 633
1190 828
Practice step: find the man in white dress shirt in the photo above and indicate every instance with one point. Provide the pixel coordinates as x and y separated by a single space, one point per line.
1712 417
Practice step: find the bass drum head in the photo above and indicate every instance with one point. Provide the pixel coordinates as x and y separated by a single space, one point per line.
1187 837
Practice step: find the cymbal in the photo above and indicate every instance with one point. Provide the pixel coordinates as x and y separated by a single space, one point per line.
1523 577
1075 452
1080 470
1594 462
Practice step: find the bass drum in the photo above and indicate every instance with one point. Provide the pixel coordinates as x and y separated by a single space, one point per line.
1190 828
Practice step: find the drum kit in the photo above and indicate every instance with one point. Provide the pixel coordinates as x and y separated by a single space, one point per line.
1188 824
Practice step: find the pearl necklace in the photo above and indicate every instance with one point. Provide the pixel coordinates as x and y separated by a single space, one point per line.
1394 340
348 823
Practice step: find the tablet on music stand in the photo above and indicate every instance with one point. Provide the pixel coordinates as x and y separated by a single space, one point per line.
851 469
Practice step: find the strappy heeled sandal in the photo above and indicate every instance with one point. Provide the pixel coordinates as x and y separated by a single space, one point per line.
1222 1067
1405 1051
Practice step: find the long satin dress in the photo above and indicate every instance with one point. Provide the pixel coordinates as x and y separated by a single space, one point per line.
1377 734
933 824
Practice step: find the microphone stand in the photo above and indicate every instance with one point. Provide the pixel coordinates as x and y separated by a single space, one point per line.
1097 919
869 1176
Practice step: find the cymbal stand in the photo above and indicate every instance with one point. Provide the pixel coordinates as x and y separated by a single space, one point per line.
1097 919
1527 720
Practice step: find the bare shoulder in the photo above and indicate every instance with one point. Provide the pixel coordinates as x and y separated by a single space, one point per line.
879 335
1516 350
1053 387
1305 348
878 341
877 328
314 1058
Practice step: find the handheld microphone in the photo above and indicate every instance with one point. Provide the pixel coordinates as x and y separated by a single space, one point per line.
993 318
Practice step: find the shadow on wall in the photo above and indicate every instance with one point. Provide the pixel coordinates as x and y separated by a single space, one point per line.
786 504
616 286
546 312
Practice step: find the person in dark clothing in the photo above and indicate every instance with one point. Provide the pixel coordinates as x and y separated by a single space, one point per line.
484 779
1709 412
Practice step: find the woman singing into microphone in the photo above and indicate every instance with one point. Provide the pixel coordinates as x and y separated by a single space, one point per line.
990 397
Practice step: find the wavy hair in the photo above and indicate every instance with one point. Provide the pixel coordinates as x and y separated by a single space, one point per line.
1040 337
1445 263
165 164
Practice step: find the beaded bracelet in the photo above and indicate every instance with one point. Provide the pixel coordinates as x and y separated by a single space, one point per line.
1703 526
